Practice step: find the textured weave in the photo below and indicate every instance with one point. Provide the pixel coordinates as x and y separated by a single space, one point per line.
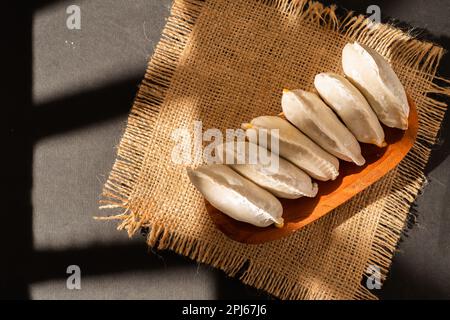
225 62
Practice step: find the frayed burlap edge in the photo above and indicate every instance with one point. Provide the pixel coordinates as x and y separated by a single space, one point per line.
409 178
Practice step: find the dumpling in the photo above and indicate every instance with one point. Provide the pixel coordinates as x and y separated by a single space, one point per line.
296 147
314 118
268 170
351 106
377 81
236 196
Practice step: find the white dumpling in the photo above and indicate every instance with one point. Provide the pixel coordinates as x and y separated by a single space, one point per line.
314 118
298 148
351 106
378 82
236 196
268 170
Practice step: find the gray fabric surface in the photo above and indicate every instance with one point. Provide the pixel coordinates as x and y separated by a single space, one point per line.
86 79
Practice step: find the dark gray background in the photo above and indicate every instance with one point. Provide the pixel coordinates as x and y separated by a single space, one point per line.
81 86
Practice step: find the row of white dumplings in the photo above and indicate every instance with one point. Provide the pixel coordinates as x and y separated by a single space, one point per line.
312 140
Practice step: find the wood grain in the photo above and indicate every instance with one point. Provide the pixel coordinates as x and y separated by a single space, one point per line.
352 180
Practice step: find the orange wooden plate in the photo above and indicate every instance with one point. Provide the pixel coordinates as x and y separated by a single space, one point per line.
352 180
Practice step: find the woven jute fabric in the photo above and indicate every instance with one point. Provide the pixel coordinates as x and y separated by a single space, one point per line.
225 62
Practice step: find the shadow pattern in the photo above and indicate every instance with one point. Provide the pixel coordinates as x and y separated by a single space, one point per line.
21 133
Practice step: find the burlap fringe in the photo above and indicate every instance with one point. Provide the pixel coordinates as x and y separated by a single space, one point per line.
118 190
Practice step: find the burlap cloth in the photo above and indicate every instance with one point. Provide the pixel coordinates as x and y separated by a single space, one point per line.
225 62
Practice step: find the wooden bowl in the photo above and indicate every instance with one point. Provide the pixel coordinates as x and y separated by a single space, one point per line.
352 180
